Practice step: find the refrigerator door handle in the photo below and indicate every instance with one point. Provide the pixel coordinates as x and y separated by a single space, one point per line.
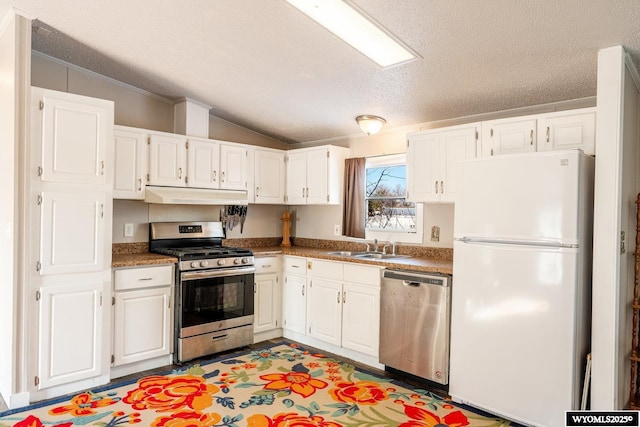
545 243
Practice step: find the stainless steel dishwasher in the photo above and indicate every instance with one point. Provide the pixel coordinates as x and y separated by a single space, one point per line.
414 323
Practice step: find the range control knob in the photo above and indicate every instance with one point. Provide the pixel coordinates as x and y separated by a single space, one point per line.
245 260
220 262
236 261
194 264
204 263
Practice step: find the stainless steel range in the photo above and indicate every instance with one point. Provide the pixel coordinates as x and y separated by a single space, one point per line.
214 287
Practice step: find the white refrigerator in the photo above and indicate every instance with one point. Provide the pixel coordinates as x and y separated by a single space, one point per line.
521 293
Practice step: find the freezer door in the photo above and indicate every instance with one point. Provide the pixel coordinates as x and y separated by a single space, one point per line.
531 197
519 330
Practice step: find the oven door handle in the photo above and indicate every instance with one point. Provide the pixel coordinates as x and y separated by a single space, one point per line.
216 273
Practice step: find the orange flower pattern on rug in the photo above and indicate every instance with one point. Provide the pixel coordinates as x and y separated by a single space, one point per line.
277 386
297 382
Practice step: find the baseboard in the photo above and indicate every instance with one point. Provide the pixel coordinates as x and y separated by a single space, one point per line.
133 368
17 400
267 335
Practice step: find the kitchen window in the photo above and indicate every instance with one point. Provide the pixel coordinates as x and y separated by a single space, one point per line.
388 214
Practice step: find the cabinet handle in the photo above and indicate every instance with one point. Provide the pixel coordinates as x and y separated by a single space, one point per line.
531 137
102 167
492 151
179 173
548 132
441 187
302 290
303 192
145 278
102 210
222 177
139 184
338 297
344 297
255 289
214 176
266 266
257 191
436 185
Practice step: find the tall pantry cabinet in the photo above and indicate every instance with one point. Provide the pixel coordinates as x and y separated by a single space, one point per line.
69 247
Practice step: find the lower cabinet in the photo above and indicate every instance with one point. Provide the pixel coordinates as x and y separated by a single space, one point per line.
267 299
142 312
334 306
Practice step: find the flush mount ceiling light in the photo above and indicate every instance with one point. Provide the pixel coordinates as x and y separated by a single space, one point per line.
370 124
352 26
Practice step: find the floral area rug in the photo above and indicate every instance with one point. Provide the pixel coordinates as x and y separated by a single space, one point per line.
278 386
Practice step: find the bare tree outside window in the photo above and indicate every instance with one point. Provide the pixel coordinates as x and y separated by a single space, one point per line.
385 199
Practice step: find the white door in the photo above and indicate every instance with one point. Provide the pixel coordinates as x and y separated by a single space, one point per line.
72 232
266 295
167 160
317 191
75 132
70 333
296 178
423 168
269 176
524 298
455 145
563 131
203 163
142 325
324 310
233 166
361 318
510 136
294 309
130 164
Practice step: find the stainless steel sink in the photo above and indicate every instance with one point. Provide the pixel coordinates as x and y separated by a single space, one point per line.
380 256
346 253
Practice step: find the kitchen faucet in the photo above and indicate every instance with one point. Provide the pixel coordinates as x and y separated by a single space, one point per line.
375 246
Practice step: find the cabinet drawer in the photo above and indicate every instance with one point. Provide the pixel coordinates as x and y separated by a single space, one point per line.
143 277
295 265
326 269
266 264
357 273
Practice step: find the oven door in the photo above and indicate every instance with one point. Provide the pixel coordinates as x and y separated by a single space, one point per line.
213 300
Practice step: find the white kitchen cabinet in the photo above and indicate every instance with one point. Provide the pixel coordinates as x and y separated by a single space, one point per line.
509 136
361 308
142 313
269 176
315 175
75 132
431 161
203 163
294 302
70 333
565 130
73 233
233 166
167 160
130 158
324 301
267 295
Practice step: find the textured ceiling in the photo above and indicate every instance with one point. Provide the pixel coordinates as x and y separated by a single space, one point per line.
265 66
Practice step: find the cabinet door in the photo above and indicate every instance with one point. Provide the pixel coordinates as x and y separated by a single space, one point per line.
562 131
361 318
269 176
72 234
266 302
203 163
455 145
511 136
70 335
141 325
423 168
167 160
324 310
233 167
296 178
294 300
130 164
75 132
317 191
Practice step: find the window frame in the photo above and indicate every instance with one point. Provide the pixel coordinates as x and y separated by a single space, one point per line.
393 235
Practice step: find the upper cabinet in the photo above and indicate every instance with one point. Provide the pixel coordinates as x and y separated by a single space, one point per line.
130 153
203 163
431 160
561 130
168 160
233 166
269 175
315 175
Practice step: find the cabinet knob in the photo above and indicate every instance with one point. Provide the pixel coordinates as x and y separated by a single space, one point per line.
436 186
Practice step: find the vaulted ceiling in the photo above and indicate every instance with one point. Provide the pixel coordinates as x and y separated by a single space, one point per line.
264 65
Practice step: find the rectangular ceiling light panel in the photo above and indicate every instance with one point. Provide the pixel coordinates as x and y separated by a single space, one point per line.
346 22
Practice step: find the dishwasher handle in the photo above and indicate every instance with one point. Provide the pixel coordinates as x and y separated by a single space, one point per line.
411 284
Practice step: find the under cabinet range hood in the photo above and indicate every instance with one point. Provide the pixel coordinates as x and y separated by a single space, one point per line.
194 196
